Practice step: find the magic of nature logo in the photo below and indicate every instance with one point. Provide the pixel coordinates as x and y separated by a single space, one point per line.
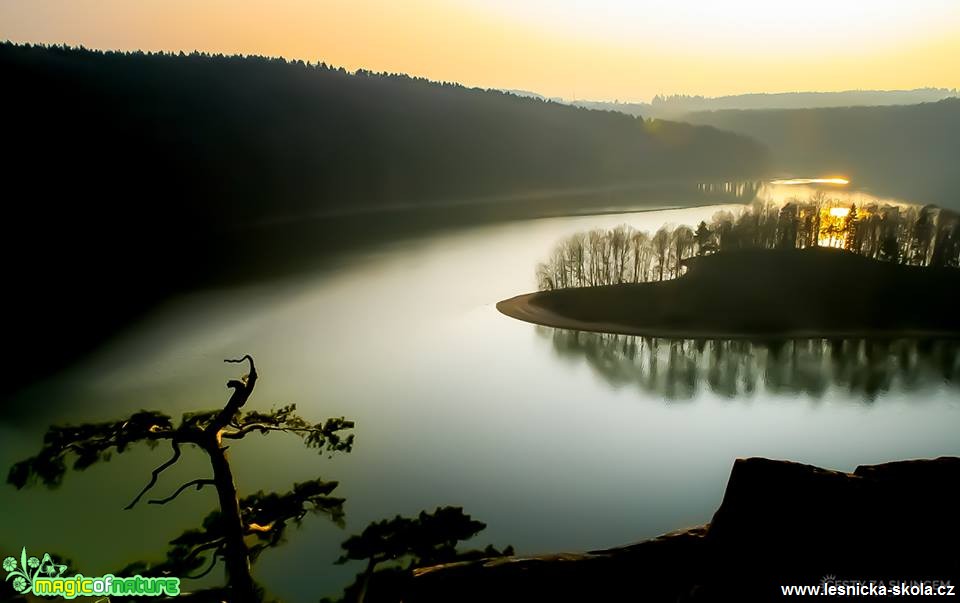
43 577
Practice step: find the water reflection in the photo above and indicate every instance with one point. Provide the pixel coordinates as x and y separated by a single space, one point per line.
679 369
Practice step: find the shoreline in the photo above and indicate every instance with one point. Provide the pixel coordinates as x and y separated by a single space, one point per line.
770 518
524 308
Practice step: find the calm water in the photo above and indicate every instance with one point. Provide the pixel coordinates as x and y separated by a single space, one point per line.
558 440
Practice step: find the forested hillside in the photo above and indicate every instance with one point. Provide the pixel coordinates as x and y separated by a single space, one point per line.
131 175
260 136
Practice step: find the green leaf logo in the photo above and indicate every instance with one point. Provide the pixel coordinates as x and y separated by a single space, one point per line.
22 573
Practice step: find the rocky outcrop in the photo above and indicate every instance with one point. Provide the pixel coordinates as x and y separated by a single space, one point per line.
780 523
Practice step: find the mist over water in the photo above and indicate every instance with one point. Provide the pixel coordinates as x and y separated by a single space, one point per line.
557 440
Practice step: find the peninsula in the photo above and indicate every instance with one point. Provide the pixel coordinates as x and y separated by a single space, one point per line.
750 293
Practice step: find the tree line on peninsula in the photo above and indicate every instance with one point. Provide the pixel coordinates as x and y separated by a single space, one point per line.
911 235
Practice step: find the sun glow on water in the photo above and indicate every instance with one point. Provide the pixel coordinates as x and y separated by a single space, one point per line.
840 181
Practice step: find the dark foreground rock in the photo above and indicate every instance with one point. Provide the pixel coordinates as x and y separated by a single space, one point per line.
780 523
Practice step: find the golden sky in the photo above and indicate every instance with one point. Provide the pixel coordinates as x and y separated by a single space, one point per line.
585 49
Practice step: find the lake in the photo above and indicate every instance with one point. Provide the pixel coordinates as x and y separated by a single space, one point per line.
557 440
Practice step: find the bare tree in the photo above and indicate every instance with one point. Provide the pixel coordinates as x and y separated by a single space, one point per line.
682 247
946 247
641 254
619 242
919 236
817 201
661 250
922 231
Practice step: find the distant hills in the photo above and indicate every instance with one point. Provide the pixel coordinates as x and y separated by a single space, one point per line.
898 143
529 94
908 151
677 106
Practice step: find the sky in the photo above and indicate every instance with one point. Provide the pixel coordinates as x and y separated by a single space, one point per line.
576 49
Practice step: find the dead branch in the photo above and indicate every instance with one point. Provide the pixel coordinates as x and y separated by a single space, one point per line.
199 483
242 388
156 473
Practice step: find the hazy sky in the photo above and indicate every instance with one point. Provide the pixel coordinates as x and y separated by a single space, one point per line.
587 49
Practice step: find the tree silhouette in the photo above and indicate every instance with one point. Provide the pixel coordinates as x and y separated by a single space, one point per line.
683 239
852 229
661 250
426 540
704 239
241 528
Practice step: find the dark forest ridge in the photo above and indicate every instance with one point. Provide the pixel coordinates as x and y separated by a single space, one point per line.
263 135
130 172
814 292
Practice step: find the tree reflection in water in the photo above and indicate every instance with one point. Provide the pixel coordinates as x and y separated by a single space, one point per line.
678 369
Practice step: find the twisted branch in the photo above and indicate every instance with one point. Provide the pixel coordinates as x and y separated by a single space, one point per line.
214 544
156 473
199 483
242 388
213 563
236 435
246 357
